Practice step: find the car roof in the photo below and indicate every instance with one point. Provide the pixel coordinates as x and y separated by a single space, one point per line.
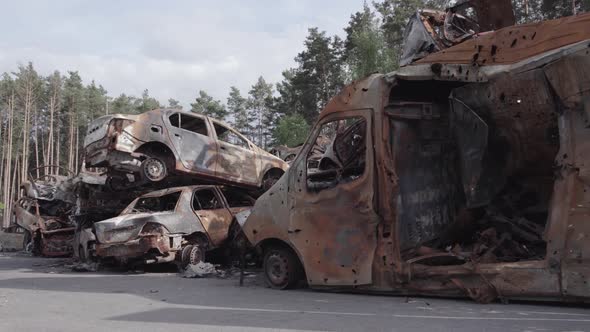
163 192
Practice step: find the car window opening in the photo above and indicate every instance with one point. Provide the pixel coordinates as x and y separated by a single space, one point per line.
338 155
206 199
235 198
163 203
190 123
227 135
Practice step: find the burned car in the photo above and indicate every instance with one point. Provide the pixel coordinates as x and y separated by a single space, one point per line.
172 225
463 174
151 146
43 210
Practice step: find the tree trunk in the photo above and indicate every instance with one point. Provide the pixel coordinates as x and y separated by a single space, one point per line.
37 142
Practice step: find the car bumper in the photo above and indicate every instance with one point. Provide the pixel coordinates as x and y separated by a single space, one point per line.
134 248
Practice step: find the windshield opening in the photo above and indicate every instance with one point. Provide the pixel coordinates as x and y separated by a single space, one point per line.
156 204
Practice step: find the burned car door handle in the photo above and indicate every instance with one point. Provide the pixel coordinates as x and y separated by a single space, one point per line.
222 147
177 135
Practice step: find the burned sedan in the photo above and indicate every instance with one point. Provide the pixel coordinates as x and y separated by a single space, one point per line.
178 224
465 173
151 146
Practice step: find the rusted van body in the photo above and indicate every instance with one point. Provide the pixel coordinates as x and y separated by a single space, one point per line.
465 173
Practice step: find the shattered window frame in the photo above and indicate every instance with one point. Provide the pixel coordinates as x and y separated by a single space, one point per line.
337 172
179 123
133 208
232 193
194 199
223 136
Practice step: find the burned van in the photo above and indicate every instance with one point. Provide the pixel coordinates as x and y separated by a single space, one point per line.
464 173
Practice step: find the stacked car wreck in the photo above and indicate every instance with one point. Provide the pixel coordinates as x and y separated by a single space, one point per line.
464 173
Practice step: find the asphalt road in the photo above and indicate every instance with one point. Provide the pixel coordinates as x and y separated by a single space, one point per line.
39 294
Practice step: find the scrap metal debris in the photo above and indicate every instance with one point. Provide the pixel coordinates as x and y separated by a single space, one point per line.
199 270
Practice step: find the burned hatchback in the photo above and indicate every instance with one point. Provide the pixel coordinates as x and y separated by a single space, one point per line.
172 225
149 147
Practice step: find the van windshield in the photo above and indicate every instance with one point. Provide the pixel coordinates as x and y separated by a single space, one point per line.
156 204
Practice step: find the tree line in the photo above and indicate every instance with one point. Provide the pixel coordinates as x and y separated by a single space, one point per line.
43 119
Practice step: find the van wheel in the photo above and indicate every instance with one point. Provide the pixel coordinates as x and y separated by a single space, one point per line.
282 269
269 179
154 169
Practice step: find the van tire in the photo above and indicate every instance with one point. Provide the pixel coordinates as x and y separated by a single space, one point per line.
281 267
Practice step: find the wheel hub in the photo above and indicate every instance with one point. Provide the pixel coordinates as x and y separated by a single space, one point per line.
277 269
154 169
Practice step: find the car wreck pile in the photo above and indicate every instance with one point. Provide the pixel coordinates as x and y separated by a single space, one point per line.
464 173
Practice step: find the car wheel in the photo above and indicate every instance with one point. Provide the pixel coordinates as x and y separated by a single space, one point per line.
154 169
185 256
282 269
27 240
197 255
82 254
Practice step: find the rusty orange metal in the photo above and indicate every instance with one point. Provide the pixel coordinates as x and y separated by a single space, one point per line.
475 179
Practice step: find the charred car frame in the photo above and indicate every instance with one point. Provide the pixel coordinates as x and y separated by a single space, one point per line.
151 146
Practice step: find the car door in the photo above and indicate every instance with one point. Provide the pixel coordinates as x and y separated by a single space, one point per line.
236 159
214 216
331 188
193 141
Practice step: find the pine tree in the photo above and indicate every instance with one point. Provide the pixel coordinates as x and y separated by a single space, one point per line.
260 105
237 109
205 104
174 104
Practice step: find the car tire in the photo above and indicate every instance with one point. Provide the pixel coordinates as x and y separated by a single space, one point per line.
196 255
27 238
282 269
154 169
270 178
82 255
185 256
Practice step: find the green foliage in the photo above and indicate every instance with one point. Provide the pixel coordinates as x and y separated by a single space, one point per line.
174 104
2 206
122 104
291 130
146 103
319 75
260 104
205 104
237 109
366 48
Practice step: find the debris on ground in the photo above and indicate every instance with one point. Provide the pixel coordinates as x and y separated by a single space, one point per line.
85 267
199 270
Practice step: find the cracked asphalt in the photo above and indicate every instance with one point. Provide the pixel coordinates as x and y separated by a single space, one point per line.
40 294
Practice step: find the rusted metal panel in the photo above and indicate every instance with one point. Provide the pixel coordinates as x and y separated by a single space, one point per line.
516 43
523 232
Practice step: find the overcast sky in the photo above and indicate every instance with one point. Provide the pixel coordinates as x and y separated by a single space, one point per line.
172 48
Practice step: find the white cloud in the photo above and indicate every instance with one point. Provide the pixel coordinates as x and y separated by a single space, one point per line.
172 48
